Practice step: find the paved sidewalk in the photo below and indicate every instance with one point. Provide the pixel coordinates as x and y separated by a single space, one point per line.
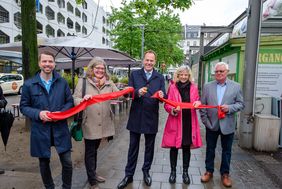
247 171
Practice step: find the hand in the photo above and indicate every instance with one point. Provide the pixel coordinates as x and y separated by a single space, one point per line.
161 94
224 108
142 91
176 110
87 97
43 115
196 104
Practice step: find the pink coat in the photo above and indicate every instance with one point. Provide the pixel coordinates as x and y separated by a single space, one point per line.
172 136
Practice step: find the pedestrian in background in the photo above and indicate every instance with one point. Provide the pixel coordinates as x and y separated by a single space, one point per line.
143 117
182 129
3 104
228 95
97 119
48 92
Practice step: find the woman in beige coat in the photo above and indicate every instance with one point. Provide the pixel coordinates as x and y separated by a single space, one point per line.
98 118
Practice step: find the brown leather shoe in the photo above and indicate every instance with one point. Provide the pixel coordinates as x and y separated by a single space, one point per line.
95 186
226 181
206 177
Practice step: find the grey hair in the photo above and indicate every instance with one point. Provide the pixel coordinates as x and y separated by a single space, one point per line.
222 64
181 69
94 62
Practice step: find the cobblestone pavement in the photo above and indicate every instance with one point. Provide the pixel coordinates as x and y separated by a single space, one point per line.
247 171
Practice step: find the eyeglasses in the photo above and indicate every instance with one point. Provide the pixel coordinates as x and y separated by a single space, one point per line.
219 71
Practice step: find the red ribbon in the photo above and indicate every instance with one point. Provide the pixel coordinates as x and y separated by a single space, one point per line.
95 99
186 105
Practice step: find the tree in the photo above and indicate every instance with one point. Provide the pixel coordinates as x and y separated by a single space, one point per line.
29 38
162 28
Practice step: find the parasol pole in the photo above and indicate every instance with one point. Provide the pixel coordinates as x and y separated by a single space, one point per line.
73 57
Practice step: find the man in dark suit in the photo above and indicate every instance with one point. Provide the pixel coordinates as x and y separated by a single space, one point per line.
144 117
228 95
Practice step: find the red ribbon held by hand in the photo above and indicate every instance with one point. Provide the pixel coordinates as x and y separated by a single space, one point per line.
83 105
187 105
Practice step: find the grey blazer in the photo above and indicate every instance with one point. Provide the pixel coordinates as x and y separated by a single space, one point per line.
232 97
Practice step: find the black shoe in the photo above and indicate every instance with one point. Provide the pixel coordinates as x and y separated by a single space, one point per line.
147 178
125 181
186 179
2 171
172 177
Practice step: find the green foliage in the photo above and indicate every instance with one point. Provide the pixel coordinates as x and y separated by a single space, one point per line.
162 28
68 78
124 80
79 1
114 78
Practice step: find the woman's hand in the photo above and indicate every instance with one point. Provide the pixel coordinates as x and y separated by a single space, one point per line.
176 110
143 91
87 97
196 104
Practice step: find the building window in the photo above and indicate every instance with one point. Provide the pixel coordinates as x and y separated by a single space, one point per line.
18 38
188 43
50 32
77 13
39 27
60 18
103 40
77 27
84 5
18 20
50 14
104 20
4 38
84 30
60 33
51 0
69 34
104 30
84 17
69 23
69 7
61 3
4 15
40 8
18 2
194 43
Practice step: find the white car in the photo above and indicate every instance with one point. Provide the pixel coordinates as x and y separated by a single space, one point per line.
11 83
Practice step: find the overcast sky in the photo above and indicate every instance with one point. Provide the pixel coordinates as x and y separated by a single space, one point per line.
210 12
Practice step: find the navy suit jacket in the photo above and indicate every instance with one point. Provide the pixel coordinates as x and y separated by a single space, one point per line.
144 111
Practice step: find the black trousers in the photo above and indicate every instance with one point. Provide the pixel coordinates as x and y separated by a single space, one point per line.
90 159
133 152
186 152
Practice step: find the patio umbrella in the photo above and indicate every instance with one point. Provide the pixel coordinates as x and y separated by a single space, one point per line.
72 48
6 122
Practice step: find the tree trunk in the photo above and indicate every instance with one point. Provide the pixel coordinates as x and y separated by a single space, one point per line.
29 38
29 42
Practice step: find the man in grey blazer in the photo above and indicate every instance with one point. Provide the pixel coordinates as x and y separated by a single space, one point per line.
228 95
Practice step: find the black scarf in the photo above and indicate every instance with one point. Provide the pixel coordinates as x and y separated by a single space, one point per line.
184 90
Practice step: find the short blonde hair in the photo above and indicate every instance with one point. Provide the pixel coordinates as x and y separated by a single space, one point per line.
93 63
181 69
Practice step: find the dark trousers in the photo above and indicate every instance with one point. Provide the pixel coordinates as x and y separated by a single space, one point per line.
226 144
44 164
90 159
186 155
134 150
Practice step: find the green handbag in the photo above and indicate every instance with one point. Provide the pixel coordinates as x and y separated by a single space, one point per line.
75 126
76 131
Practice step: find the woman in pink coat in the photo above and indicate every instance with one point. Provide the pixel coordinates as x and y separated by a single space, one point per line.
182 128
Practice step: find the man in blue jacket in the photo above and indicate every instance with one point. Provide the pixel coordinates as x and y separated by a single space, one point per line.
47 92
144 117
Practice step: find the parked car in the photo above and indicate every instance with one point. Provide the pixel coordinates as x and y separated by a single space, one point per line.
11 83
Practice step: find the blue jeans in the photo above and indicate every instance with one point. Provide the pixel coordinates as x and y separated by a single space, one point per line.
226 144
44 164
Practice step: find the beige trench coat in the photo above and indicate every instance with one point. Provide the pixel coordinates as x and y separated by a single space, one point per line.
97 118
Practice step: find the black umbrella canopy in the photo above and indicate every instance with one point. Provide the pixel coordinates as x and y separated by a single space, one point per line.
6 122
